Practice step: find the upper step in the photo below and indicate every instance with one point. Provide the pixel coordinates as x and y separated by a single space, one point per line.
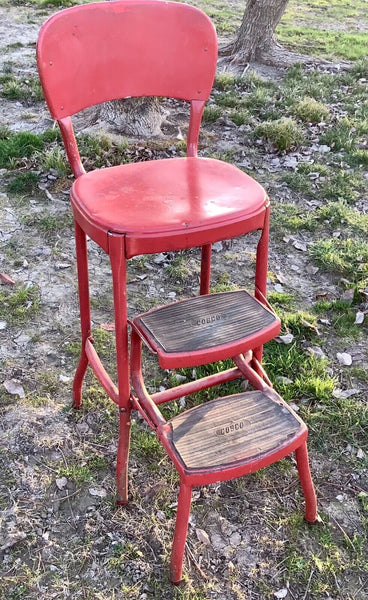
207 328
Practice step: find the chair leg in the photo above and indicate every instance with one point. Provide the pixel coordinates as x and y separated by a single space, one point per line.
180 535
118 268
261 270
302 462
123 457
85 311
205 269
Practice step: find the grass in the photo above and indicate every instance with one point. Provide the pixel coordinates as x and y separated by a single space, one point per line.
348 257
14 88
311 111
284 133
19 304
24 183
15 147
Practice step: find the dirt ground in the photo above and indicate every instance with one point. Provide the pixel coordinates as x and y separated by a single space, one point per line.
61 535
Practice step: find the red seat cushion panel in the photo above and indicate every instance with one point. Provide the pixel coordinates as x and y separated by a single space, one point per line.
167 197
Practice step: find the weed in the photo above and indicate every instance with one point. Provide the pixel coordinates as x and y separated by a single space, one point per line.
341 136
211 113
50 224
21 89
239 117
24 183
338 213
283 133
311 111
181 267
225 81
19 304
17 146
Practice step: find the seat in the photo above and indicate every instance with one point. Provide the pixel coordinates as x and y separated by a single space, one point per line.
100 52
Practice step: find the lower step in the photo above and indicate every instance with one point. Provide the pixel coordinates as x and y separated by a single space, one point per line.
242 428
207 328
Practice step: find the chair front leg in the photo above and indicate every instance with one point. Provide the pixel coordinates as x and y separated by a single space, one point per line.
85 311
301 455
118 267
181 530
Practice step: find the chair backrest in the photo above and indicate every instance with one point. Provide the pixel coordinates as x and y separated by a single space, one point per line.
98 52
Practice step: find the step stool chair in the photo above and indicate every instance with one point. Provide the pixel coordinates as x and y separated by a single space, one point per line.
95 53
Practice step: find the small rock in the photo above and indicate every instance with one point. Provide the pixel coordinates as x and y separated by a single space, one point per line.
203 536
235 539
64 378
344 394
344 358
160 258
311 270
340 498
61 483
217 246
359 318
300 246
360 454
285 339
348 296
14 387
3 325
316 351
278 288
99 492
281 593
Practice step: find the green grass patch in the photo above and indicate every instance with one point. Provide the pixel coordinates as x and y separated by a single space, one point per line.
310 110
332 44
17 146
284 133
24 183
21 88
19 304
50 224
342 316
211 113
347 257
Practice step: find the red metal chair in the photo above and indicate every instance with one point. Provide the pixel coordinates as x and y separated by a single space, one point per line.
94 53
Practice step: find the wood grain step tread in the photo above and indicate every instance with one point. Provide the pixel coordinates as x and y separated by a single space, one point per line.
239 428
205 322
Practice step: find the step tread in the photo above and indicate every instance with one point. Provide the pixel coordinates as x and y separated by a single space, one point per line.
238 428
205 322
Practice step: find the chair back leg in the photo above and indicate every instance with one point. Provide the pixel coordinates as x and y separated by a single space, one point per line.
180 535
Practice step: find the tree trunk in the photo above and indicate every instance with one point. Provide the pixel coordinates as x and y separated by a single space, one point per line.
256 40
133 116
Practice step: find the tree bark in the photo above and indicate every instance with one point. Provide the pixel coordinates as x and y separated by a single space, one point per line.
256 41
133 116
